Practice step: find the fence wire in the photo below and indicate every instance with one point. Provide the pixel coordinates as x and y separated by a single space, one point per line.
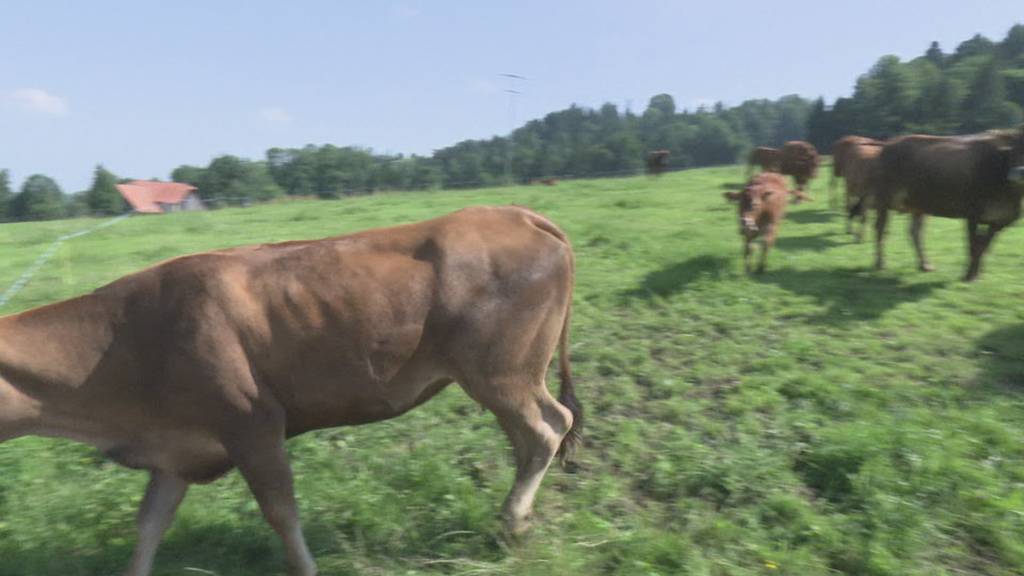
43 258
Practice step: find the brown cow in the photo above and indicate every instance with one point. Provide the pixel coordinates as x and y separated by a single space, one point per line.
208 362
762 204
799 159
769 159
657 162
841 151
974 177
862 173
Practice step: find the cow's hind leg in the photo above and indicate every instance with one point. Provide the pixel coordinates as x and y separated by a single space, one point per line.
163 495
916 228
882 219
535 423
259 452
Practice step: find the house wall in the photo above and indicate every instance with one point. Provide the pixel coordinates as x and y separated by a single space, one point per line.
192 202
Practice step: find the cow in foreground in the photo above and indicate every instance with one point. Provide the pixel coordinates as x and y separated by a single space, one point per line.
845 152
762 204
976 177
209 362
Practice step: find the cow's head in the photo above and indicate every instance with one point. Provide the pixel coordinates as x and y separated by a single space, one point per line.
752 204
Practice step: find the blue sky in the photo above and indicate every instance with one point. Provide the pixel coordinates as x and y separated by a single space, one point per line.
145 86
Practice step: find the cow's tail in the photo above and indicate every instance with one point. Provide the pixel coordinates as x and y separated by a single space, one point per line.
567 392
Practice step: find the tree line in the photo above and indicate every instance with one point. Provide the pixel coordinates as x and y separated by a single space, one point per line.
41 198
979 85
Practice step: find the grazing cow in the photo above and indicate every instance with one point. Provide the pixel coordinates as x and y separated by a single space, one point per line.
762 204
769 159
841 151
975 177
657 162
799 159
208 362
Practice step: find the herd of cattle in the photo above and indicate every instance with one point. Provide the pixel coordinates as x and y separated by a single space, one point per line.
209 362
976 177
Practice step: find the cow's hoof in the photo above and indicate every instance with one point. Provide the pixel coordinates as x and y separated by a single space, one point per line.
515 530
926 268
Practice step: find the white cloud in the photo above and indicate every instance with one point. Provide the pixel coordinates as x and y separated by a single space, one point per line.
39 101
275 115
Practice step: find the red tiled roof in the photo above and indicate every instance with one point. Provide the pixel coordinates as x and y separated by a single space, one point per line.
147 195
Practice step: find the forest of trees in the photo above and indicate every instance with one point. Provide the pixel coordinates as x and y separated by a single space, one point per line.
979 85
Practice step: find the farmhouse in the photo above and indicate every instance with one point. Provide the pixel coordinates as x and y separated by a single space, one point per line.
153 197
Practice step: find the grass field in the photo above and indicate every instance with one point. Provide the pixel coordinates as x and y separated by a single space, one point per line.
823 418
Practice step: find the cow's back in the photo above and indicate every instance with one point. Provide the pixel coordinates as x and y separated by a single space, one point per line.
357 328
951 176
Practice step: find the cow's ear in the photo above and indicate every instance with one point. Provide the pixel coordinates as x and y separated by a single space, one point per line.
732 196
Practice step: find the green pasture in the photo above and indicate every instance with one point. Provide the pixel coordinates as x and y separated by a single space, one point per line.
822 418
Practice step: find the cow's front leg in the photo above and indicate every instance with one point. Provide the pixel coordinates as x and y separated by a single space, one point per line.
979 243
163 495
766 244
257 448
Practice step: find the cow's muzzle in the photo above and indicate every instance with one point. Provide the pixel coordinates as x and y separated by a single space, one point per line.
748 227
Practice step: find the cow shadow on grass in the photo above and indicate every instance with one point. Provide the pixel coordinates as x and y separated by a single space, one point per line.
1002 356
851 295
229 548
676 277
817 243
816 216
225 550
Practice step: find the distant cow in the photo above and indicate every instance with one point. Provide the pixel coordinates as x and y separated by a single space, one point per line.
208 362
841 151
976 177
657 162
768 159
799 159
545 181
762 204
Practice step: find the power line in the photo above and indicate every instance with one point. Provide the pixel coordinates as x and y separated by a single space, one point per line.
43 258
513 92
